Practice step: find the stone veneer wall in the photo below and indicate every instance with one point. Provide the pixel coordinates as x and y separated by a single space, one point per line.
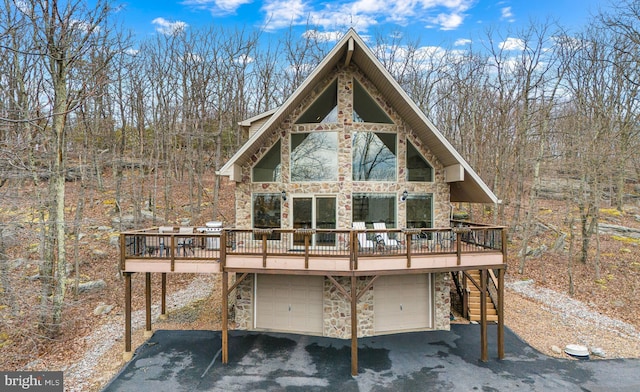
337 320
344 187
244 304
442 301
337 308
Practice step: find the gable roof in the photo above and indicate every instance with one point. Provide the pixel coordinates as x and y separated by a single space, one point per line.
351 48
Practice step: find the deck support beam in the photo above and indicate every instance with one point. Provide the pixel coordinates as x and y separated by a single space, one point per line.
148 332
501 313
484 356
353 296
127 355
163 303
354 327
225 317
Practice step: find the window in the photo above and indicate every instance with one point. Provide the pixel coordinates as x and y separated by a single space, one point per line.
374 156
324 109
266 212
418 169
374 207
365 108
419 209
314 156
268 168
317 212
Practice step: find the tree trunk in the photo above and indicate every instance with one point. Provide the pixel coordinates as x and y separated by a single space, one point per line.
58 188
570 264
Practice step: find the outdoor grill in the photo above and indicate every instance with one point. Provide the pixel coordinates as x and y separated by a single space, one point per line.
213 229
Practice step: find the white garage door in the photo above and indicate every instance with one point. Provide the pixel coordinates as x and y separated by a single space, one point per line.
289 303
402 303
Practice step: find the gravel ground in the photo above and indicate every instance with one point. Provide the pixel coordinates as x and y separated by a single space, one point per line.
541 317
549 321
91 373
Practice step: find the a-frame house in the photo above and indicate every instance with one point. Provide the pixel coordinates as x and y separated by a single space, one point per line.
343 217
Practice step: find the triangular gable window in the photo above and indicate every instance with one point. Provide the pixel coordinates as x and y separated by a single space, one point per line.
418 169
324 109
365 108
374 156
268 168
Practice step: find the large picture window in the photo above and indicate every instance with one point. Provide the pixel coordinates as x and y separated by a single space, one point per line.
266 212
418 169
374 156
324 109
419 209
374 207
365 108
314 156
268 168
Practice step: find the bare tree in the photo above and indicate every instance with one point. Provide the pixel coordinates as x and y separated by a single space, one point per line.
60 38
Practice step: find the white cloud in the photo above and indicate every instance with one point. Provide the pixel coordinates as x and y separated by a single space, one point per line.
82 25
244 59
462 42
506 14
361 14
166 27
512 44
217 7
448 21
283 13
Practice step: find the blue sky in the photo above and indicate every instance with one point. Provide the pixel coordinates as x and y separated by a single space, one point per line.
433 21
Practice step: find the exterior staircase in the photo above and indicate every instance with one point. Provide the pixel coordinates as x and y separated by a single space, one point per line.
474 300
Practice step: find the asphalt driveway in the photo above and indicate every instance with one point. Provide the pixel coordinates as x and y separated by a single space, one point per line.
420 361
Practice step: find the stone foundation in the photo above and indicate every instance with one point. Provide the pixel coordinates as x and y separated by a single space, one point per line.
337 308
442 301
244 304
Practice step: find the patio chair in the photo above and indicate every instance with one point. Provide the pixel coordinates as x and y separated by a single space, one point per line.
185 243
150 245
383 236
363 242
165 242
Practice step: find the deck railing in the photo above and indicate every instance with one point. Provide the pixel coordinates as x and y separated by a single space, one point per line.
461 239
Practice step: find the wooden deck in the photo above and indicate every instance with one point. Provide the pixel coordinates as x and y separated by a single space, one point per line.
337 252
462 247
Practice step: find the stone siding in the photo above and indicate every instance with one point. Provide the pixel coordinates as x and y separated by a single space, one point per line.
442 301
344 187
337 308
244 304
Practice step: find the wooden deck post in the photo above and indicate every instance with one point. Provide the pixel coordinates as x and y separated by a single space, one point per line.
465 296
163 303
354 327
225 317
501 313
484 356
458 247
306 250
147 304
127 355
264 250
354 248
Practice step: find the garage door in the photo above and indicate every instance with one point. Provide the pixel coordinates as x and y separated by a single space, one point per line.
289 303
402 303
